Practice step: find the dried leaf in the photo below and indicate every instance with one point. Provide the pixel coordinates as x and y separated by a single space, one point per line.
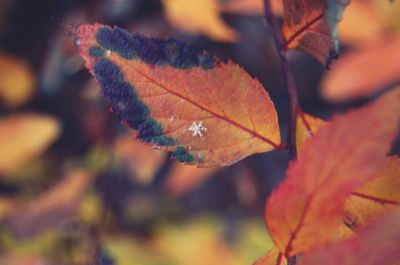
305 27
376 244
183 178
376 197
199 16
24 137
379 62
17 81
142 161
273 257
52 207
206 112
304 212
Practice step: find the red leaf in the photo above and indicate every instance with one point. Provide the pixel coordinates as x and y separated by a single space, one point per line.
305 211
376 244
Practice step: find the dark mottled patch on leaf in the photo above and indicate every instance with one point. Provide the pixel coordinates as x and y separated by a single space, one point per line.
182 155
106 72
96 51
116 40
153 51
126 104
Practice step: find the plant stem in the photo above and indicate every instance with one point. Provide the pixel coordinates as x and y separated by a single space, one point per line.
289 78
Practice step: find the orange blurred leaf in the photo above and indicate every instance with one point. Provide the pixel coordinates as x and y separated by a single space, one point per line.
251 7
17 81
142 161
207 112
361 24
183 178
199 16
52 207
364 71
24 137
273 257
376 244
305 210
376 197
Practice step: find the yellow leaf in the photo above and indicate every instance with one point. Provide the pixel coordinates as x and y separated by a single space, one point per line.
17 81
199 16
24 137
306 126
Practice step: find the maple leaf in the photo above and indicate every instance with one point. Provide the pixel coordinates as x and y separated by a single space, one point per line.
305 28
305 210
163 88
378 243
19 145
380 62
199 16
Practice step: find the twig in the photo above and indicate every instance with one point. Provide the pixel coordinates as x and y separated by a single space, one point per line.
289 79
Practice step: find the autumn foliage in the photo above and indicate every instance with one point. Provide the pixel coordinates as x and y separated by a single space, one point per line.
339 199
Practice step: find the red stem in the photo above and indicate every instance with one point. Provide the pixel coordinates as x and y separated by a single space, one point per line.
289 78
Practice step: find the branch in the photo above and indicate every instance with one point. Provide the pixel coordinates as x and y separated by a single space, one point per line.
288 75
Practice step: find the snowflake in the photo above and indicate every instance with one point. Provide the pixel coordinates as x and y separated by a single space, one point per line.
197 129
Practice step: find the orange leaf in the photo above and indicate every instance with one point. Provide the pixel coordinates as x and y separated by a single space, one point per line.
305 28
142 161
17 81
199 16
376 244
251 7
306 126
361 23
380 62
183 178
273 257
305 210
23 137
376 197
206 112
52 207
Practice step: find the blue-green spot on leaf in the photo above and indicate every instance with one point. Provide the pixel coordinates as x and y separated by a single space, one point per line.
96 51
182 155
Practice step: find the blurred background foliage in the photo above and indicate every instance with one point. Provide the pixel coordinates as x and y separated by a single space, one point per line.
75 189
